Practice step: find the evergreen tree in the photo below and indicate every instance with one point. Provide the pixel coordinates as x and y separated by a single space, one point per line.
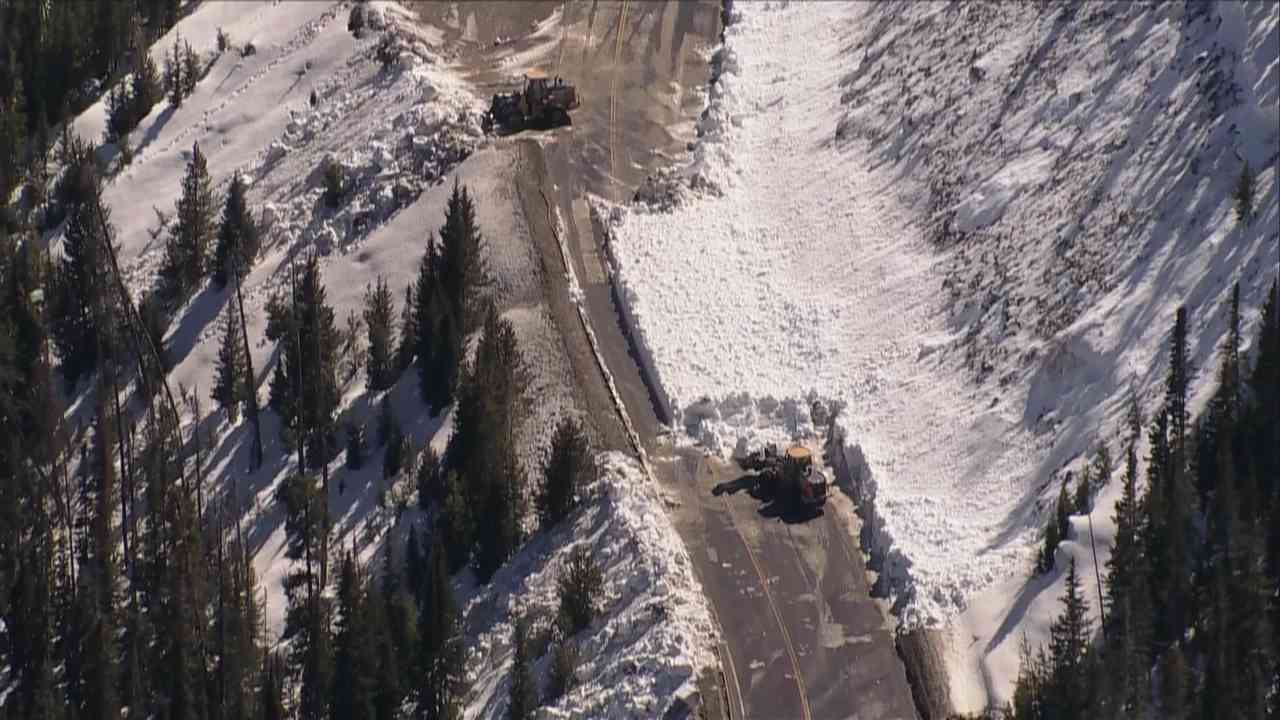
191 71
379 318
356 449
1069 652
236 620
147 87
462 268
354 677
307 613
187 250
271 691
304 386
423 322
1057 529
441 648
1084 491
447 355
504 506
398 637
1243 195
121 115
238 239
568 469
564 669
457 522
391 437
578 587
84 304
408 331
430 479
230 381
522 696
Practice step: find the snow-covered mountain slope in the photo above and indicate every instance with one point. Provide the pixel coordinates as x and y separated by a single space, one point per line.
971 224
403 132
644 655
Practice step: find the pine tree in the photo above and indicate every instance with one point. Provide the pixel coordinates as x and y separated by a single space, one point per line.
147 87
423 321
191 72
187 250
578 586
356 446
236 619
307 614
271 691
229 388
1084 491
304 386
447 355
398 637
379 318
352 697
1069 651
441 647
457 522
1243 195
462 271
1058 528
173 80
522 695
1173 566
430 479
237 236
408 331
568 469
564 669
84 304
121 115
504 506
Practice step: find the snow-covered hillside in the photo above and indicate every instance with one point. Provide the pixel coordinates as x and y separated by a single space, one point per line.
971 224
404 127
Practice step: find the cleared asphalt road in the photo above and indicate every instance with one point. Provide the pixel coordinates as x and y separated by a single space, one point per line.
804 639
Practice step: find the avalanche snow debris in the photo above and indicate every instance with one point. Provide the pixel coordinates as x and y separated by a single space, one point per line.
902 216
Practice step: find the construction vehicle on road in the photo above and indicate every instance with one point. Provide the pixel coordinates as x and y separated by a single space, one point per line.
543 102
789 476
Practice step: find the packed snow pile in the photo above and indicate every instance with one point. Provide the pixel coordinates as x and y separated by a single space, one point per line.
654 634
971 243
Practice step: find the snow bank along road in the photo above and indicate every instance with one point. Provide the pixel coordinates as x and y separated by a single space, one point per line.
802 637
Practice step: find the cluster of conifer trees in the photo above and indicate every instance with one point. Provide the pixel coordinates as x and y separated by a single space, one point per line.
53 54
125 578
1191 621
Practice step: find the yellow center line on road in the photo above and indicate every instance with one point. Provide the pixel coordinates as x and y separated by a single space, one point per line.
777 616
